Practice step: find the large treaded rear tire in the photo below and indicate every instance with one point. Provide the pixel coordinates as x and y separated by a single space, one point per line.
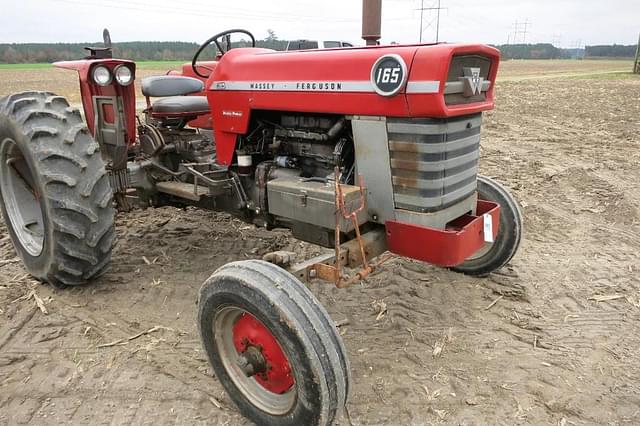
302 328
497 254
66 177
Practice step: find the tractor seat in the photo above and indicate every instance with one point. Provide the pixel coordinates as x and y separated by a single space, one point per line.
181 105
173 90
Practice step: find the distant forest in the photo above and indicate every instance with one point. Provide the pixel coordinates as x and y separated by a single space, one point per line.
135 50
549 51
182 51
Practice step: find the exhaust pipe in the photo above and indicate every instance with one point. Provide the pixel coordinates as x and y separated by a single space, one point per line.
371 21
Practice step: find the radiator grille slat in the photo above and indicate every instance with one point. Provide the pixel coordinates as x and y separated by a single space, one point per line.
434 162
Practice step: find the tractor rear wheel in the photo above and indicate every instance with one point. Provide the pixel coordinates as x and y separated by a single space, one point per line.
493 256
54 190
272 346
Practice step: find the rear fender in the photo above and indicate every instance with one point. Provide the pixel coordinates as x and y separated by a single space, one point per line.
110 111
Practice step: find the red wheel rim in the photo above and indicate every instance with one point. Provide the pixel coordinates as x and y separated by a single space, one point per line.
250 332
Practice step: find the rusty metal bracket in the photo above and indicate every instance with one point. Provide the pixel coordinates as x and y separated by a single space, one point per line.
323 265
354 253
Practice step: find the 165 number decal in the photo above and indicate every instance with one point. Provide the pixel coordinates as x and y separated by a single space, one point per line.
389 75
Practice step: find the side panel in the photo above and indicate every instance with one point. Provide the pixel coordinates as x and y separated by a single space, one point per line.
372 162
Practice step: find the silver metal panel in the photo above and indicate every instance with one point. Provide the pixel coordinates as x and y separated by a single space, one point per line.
433 148
435 128
434 183
435 166
312 202
440 218
413 200
362 86
451 87
423 87
372 162
434 162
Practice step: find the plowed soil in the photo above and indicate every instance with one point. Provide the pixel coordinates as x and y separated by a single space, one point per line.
551 339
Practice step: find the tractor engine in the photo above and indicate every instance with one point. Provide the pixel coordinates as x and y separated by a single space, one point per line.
296 157
312 145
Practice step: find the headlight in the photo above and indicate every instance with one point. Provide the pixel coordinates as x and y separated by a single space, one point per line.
101 75
124 75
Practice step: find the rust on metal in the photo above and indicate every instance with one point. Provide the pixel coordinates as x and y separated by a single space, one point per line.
352 254
325 272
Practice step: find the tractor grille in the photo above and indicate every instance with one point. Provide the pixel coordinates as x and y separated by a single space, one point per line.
434 162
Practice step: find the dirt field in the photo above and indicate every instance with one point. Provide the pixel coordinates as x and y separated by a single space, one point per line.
552 339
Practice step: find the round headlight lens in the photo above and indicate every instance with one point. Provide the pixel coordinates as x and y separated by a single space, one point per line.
101 75
124 75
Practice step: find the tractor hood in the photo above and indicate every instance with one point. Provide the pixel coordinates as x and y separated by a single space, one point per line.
442 80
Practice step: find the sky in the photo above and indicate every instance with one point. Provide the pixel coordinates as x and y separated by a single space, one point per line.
565 23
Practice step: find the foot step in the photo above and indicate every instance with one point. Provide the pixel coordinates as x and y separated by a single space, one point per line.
187 191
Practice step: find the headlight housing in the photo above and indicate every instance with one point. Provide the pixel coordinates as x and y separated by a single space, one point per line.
124 75
101 75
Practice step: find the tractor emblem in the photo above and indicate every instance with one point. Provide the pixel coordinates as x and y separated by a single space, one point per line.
472 80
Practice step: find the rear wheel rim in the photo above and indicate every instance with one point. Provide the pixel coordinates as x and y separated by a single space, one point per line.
231 340
21 198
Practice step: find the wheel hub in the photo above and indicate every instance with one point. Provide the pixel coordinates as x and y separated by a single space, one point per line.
261 356
21 198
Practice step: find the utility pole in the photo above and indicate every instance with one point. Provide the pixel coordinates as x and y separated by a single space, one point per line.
421 18
636 65
438 23
422 9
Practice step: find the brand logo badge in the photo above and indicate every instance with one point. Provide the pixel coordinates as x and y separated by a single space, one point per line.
472 80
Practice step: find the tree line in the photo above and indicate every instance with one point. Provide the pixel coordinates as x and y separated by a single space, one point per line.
183 51
549 51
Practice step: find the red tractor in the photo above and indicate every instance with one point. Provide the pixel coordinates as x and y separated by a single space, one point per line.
365 151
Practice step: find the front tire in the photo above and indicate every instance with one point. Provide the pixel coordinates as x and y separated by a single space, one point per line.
54 190
493 256
272 346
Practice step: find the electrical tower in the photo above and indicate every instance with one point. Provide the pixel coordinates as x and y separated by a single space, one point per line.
525 32
520 35
422 9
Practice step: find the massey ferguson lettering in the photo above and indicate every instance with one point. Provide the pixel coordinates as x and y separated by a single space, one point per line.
320 86
302 86
294 86
262 86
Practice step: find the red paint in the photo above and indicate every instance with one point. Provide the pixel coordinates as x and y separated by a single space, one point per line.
89 90
449 247
248 331
424 62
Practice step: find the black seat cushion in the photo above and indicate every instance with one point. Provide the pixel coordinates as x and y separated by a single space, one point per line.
170 85
181 105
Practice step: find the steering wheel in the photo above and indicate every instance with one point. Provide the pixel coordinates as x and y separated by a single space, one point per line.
222 50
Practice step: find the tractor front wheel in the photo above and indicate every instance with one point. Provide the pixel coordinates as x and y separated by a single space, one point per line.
272 346
493 256
54 189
